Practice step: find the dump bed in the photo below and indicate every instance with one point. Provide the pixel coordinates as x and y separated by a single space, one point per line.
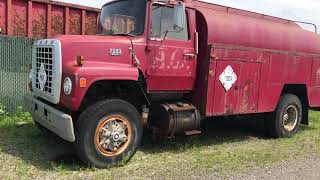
45 18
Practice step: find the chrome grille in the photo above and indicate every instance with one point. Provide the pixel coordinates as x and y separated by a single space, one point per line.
47 65
44 55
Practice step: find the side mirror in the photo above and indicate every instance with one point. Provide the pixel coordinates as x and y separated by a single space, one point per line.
179 16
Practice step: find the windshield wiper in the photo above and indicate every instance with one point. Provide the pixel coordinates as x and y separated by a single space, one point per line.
123 34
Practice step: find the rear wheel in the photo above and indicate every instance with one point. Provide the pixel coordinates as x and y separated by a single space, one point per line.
108 133
285 121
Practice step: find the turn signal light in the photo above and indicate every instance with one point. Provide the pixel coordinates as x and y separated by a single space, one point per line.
80 60
83 83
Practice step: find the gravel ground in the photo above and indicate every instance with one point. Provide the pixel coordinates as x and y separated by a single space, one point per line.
307 168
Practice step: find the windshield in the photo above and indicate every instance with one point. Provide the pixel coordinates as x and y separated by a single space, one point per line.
124 17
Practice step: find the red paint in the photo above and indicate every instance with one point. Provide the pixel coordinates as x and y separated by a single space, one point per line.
265 52
49 20
39 24
169 69
243 96
3 15
97 66
39 19
83 22
29 19
9 18
66 20
20 20
273 52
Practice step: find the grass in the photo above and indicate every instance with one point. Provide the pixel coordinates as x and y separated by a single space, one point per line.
226 148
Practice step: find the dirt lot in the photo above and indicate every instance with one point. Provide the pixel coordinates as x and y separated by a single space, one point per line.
229 149
301 168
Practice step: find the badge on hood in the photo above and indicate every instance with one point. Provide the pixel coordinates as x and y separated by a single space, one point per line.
115 52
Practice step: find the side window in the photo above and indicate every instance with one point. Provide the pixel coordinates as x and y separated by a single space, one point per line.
162 20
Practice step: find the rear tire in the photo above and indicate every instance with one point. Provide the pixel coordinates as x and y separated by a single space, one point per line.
285 121
108 133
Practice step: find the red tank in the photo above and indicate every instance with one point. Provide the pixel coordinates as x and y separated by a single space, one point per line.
242 28
271 50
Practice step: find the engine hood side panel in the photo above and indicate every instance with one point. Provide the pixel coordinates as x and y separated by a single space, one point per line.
105 58
94 72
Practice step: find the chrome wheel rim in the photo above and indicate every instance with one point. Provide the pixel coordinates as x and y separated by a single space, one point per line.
290 117
113 135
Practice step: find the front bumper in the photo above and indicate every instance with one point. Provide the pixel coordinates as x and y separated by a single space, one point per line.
51 118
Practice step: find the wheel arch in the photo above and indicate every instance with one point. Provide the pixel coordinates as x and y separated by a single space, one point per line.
300 90
135 92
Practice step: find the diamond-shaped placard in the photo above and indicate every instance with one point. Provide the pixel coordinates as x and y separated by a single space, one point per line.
228 78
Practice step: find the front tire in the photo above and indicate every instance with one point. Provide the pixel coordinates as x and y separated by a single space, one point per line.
285 121
108 133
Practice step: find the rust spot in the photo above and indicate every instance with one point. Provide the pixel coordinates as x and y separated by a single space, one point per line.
39 20
39 26
57 24
19 28
3 20
228 110
91 24
75 22
245 101
252 108
19 15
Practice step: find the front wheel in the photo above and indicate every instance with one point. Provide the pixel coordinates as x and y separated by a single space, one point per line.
108 133
285 121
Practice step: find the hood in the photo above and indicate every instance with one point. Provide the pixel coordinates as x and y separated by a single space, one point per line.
95 49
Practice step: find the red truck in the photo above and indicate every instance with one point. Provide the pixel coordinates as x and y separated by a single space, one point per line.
166 66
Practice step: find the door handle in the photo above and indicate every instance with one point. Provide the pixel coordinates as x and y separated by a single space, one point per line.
190 55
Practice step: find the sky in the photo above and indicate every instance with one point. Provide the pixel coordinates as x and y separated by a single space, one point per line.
298 10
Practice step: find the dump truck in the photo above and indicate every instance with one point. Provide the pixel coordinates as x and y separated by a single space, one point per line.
165 66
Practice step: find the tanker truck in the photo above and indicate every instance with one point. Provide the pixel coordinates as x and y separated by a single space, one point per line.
165 66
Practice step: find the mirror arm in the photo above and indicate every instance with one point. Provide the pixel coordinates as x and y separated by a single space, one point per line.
164 38
165 35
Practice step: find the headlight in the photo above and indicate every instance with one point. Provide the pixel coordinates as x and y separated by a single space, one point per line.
67 86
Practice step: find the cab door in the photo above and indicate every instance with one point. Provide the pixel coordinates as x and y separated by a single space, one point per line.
171 61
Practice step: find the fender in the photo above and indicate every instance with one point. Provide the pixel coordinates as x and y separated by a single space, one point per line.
93 72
